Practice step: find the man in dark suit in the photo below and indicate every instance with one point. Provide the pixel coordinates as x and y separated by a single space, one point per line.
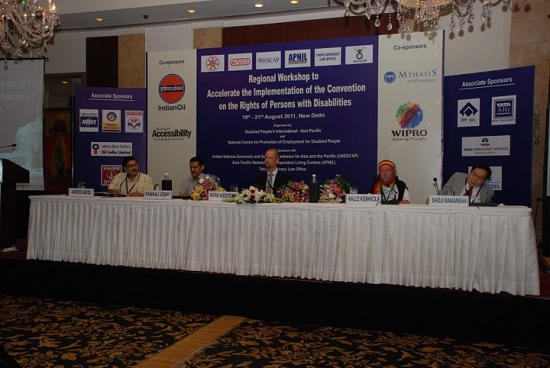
273 178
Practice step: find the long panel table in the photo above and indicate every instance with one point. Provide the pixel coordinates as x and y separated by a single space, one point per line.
485 249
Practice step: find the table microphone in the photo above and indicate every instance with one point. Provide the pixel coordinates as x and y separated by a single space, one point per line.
436 186
9 145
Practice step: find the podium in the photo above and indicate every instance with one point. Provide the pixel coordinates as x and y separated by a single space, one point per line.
10 175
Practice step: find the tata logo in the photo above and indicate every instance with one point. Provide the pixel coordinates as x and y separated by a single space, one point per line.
485 142
171 88
240 62
390 77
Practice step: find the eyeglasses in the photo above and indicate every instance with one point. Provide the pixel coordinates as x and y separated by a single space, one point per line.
129 166
477 177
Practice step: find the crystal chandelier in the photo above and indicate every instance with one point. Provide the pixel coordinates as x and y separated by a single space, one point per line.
26 26
423 12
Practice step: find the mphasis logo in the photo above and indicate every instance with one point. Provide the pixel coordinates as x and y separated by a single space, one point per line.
170 134
418 76
409 116
171 90
504 110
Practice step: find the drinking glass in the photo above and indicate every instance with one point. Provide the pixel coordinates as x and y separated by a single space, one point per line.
234 188
353 190
82 184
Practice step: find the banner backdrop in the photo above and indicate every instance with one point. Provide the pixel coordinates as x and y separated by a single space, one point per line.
110 124
314 101
22 117
488 118
409 109
171 86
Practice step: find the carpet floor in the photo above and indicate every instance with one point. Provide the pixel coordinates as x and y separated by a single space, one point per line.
39 332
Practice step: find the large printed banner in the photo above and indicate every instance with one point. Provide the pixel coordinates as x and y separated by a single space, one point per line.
488 118
316 102
171 86
110 125
410 88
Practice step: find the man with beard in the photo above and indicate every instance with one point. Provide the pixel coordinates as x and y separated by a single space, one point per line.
131 182
273 178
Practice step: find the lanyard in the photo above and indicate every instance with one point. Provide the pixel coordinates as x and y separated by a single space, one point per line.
132 187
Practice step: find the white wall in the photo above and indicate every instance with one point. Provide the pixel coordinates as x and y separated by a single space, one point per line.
482 49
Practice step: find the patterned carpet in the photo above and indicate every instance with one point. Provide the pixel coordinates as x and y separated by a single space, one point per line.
49 333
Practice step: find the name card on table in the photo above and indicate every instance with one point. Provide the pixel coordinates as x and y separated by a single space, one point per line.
218 196
448 201
157 194
363 199
81 192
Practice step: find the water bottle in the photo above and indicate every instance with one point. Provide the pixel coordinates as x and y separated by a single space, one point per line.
313 190
166 182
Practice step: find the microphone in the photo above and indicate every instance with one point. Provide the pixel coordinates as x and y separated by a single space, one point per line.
8 146
436 186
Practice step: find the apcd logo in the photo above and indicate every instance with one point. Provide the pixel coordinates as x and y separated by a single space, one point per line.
171 88
212 63
409 116
390 77
240 62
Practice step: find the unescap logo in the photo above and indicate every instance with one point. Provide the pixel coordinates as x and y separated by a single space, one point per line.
390 77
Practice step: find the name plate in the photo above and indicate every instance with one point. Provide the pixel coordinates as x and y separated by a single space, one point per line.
218 196
448 201
157 194
81 192
363 199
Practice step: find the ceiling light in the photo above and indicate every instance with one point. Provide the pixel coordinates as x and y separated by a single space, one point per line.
99 20
191 11
26 26
294 1
423 12
258 5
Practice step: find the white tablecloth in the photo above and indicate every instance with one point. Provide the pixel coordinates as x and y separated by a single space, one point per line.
486 249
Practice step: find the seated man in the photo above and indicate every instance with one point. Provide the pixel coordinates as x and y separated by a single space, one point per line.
472 184
196 167
131 182
391 189
272 179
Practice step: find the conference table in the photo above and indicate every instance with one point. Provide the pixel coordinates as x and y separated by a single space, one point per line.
488 249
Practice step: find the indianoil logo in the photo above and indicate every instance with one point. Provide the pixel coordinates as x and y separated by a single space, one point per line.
171 88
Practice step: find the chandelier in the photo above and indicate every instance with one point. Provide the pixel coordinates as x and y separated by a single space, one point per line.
26 26
423 12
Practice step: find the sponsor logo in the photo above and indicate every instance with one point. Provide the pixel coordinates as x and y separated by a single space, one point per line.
359 54
171 88
390 77
409 116
111 149
297 58
111 121
212 63
240 62
168 134
108 172
328 56
504 110
88 120
468 112
134 121
497 145
268 60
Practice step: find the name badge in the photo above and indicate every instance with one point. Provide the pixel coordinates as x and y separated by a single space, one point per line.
81 192
218 196
363 199
157 194
448 201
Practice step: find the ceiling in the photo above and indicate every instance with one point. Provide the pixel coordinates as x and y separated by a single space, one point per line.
81 14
